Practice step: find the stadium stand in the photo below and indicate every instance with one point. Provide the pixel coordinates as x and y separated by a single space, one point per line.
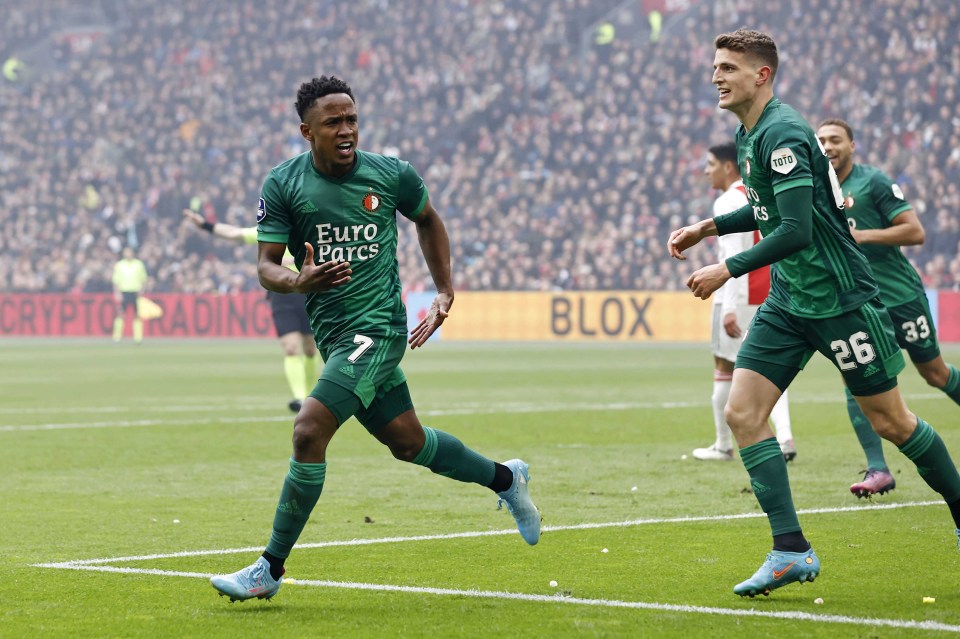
561 141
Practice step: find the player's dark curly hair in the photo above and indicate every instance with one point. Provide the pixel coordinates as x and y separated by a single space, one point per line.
316 88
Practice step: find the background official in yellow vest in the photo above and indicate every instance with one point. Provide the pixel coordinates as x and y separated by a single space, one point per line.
129 280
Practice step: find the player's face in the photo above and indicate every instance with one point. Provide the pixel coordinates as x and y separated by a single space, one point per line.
736 79
715 170
838 146
331 128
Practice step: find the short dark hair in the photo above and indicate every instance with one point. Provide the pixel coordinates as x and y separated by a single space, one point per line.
726 152
756 44
840 123
317 88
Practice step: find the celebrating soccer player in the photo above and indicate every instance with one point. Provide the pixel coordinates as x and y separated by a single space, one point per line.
335 207
881 221
823 297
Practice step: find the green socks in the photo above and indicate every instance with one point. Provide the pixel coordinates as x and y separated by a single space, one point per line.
771 486
870 442
446 455
928 452
952 389
301 490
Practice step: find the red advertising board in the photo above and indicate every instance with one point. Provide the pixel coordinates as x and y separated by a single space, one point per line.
91 315
948 315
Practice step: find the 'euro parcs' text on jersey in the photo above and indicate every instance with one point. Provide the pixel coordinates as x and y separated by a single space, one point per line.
871 201
831 275
350 218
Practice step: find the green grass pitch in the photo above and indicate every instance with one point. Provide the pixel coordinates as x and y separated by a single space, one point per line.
132 473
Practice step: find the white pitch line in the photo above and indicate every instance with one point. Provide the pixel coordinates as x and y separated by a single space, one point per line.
139 423
561 599
90 563
484 409
96 565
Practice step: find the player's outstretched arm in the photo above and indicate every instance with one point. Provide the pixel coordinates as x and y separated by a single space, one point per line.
435 245
225 231
687 236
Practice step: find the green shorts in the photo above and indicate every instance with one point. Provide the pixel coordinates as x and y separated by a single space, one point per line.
860 343
366 367
388 404
916 333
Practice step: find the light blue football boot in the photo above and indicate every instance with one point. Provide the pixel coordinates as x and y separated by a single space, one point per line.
517 499
252 581
780 568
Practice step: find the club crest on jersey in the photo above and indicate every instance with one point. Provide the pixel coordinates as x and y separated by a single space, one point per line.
261 211
849 202
783 161
372 201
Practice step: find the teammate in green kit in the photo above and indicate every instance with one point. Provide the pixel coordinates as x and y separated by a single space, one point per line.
881 220
823 297
335 208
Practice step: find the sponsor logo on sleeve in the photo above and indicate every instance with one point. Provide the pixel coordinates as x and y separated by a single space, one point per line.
261 211
783 161
897 193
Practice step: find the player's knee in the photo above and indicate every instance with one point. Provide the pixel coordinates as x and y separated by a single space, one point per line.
406 445
309 437
737 417
894 427
935 377
405 453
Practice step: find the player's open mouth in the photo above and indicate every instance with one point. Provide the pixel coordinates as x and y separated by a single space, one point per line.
724 93
345 148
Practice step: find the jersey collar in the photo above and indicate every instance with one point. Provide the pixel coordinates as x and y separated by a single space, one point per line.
358 160
771 104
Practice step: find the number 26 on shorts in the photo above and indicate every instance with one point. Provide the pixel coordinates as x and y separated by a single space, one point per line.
859 348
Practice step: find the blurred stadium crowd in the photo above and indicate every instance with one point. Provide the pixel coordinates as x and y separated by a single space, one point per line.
561 141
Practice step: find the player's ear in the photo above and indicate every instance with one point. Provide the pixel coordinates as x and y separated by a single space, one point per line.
763 75
305 132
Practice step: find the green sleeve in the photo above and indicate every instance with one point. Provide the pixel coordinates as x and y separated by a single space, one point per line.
413 192
739 221
787 152
273 219
888 196
794 233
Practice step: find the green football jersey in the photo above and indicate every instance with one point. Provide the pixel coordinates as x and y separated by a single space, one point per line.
831 275
350 218
872 200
